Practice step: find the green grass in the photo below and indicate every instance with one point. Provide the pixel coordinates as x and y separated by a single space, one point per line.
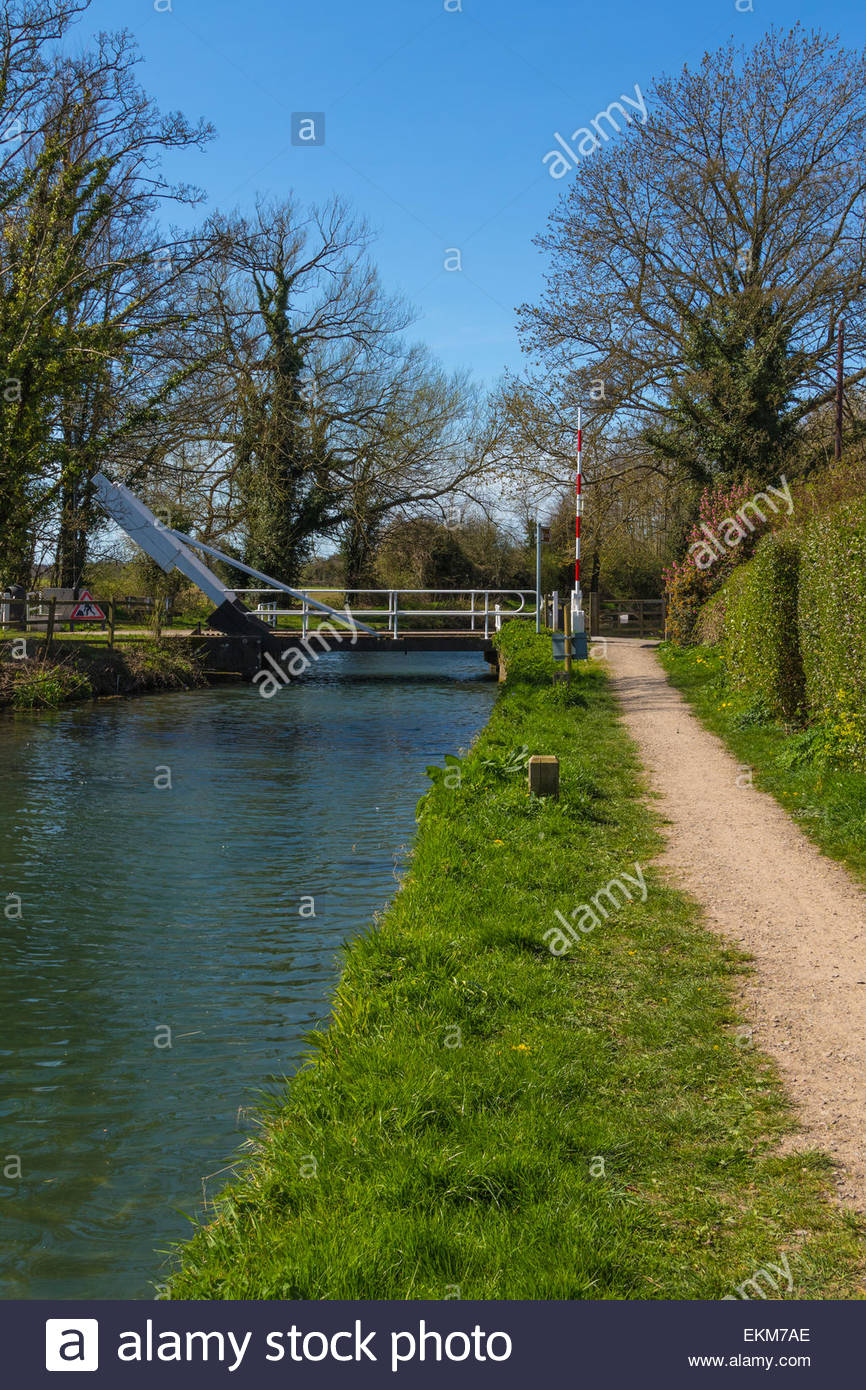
484 1119
44 685
82 671
90 636
803 768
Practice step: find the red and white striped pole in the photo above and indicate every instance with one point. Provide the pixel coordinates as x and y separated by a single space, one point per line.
576 603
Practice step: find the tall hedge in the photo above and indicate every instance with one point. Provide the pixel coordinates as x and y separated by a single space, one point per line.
709 628
832 620
761 638
792 624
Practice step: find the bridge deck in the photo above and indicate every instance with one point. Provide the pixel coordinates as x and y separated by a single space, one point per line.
243 655
383 642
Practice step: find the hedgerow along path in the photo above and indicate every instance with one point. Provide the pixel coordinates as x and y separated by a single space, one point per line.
769 890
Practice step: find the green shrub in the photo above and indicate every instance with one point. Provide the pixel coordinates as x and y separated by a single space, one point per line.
686 591
760 642
704 569
528 655
709 625
832 620
79 671
167 665
791 628
41 685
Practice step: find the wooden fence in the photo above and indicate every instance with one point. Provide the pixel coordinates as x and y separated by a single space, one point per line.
634 617
50 612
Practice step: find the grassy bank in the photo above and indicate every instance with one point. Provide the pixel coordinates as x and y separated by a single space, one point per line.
485 1119
808 769
77 671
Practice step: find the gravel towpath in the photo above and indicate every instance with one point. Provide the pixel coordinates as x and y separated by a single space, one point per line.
764 886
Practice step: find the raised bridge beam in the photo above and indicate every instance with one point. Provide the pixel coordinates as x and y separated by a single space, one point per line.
140 524
171 550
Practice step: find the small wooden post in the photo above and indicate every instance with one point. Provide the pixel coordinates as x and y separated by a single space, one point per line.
49 627
111 616
544 777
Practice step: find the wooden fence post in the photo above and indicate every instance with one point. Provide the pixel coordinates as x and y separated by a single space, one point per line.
111 617
544 776
49 626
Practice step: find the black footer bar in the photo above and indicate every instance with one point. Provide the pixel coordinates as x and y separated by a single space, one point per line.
452 1344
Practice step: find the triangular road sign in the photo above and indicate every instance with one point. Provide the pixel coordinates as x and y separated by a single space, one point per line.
86 611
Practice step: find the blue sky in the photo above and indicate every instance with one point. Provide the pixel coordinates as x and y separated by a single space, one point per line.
436 119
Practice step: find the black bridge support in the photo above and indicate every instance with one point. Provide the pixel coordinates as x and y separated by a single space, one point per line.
242 650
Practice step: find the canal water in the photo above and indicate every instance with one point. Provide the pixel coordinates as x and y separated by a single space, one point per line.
167 964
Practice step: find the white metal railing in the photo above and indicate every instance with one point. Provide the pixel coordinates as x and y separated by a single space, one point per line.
481 606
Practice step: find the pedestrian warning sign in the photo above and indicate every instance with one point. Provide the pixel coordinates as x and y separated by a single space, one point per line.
86 611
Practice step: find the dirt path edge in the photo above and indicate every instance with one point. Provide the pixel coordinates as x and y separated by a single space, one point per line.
765 887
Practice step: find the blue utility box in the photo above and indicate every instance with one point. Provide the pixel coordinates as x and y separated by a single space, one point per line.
579 647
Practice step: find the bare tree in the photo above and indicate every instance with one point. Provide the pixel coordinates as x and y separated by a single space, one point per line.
331 421
426 446
700 264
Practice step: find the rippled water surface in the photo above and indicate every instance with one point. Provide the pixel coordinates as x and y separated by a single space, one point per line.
146 910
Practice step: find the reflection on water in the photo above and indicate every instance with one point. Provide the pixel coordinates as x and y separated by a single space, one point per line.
147 909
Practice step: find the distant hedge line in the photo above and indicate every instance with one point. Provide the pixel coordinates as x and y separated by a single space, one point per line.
792 622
